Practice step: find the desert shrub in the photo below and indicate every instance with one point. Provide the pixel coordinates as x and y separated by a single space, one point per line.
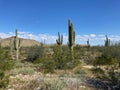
59 57
80 71
55 84
6 64
22 70
110 60
59 60
31 85
84 55
114 51
98 71
47 64
114 75
34 52
63 59
79 51
4 81
104 59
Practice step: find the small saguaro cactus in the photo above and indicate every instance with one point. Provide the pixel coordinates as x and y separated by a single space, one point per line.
17 44
107 41
71 37
42 43
60 39
88 43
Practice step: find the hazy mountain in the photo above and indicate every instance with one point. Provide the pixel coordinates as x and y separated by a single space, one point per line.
24 42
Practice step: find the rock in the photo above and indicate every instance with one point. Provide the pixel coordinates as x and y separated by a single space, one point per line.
11 89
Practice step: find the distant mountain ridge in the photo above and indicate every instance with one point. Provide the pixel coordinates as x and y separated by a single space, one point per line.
24 42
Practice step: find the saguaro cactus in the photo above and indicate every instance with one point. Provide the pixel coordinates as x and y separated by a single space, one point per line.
59 53
88 44
71 37
60 39
17 44
107 41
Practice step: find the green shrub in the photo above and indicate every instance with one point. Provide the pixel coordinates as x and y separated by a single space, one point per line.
80 71
6 64
47 64
4 82
98 71
110 60
34 52
62 58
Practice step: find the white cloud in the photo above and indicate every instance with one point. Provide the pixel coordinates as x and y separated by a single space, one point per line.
5 35
92 35
50 39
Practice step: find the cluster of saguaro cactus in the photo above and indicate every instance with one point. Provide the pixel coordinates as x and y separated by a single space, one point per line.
107 41
60 39
17 45
71 37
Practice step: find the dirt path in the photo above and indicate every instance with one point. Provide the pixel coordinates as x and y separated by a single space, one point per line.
88 66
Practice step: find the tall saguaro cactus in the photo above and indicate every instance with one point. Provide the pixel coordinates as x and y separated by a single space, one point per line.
60 39
71 37
17 44
107 41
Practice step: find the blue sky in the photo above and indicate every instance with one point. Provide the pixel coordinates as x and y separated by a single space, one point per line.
91 18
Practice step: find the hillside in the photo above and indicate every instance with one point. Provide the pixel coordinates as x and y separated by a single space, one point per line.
24 42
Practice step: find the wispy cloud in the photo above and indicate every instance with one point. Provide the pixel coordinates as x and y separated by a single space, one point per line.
50 39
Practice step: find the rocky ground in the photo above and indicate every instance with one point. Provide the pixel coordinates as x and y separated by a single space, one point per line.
58 81
38 81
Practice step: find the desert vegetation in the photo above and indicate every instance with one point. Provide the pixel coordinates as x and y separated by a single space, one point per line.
58 66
